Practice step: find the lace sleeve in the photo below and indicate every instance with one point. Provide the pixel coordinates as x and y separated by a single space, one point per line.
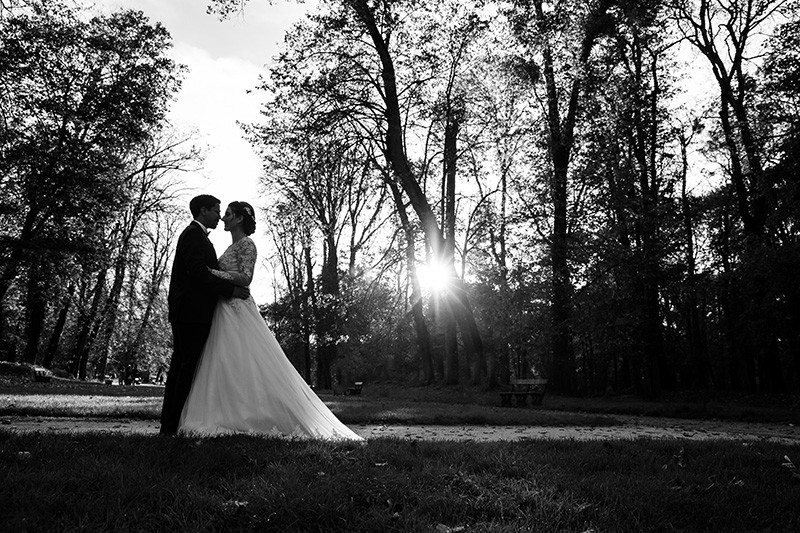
245 261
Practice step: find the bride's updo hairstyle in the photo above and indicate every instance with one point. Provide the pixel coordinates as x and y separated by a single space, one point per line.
245 210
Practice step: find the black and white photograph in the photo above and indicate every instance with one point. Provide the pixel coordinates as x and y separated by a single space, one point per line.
441 266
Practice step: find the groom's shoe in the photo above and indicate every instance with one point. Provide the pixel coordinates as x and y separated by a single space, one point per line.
166 433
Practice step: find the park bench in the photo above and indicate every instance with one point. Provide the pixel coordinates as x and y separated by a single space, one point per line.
521 389
42 374
355 390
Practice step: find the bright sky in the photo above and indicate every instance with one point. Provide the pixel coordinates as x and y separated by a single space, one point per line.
225 59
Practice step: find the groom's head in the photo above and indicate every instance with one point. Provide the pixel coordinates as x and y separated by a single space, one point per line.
205 209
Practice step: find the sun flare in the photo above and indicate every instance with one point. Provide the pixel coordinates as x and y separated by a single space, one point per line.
433 276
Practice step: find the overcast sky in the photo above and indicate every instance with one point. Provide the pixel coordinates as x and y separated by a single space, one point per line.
225 59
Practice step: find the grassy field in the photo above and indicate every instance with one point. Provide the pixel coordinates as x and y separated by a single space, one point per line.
67 399
135 483
403 404
117 482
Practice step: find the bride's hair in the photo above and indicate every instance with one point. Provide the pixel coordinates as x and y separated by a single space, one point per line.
245 210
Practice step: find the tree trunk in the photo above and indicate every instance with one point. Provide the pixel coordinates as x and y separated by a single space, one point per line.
309 311
500 359
644 144
698 352
563 371
417 312
328 324
448 316
105 327
423 337
462 309
752 225
793 325
450 341
36 313
82 345
131 355
561 140
58 329
15 260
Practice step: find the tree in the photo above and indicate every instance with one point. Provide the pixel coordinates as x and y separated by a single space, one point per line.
724 31
637 139
542 31
293 314
378 23
350 85
415 299
158 236
501 151
703 375
77 96
150 191
355 86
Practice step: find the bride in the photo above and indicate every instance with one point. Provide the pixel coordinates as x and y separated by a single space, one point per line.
244 383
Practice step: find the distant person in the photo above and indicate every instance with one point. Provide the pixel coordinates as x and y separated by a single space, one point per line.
244 382
193 294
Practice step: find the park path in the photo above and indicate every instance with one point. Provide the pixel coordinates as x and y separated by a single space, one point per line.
630 427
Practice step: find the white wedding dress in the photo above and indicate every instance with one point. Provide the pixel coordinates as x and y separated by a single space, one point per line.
244 383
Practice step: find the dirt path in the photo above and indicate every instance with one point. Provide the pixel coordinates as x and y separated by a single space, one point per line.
629 428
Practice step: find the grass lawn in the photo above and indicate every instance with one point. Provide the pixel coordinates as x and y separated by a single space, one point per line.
95 482
119 482
391 403
384 405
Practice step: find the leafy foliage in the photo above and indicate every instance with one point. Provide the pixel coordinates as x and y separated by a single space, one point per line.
82 159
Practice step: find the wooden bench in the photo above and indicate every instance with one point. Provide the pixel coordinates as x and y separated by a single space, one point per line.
355 390
42 374
521 389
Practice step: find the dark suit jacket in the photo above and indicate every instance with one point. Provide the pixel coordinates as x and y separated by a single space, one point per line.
193 290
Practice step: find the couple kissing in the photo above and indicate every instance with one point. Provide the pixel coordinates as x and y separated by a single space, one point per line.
228 374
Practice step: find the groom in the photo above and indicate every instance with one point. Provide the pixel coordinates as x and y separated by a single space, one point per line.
193 294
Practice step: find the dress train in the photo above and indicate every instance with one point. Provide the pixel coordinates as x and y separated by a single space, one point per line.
245 384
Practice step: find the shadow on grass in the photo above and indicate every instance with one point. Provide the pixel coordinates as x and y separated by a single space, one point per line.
96 482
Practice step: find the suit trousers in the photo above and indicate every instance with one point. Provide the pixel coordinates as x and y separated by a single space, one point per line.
188 340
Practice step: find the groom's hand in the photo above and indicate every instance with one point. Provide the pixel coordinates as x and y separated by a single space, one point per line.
241 292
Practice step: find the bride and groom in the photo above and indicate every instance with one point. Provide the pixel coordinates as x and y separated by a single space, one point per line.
228 374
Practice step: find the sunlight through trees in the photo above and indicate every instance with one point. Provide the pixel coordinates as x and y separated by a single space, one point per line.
459 192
